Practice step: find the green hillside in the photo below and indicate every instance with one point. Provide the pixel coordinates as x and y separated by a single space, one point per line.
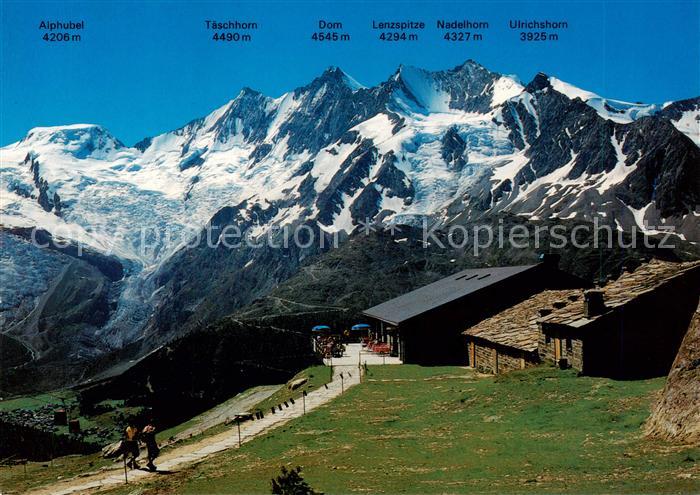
434 430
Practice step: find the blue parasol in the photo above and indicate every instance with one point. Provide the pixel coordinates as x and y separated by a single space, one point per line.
360 326
320 328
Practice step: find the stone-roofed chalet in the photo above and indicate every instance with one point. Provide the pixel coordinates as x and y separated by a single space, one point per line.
630 328
509 340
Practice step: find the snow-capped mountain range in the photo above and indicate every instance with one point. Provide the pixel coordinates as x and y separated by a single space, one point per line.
459 143
424 138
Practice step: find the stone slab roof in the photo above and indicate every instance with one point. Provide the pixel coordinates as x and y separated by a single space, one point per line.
517 327
630 285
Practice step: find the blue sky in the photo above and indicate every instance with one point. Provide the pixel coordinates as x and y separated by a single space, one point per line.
146 68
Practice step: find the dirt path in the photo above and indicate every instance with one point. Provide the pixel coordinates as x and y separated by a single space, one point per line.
179 457
304 305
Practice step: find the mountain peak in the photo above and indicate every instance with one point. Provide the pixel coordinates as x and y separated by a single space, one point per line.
334 70
43 131
335 77
542 80
615 110
539 82
70 132
469 65
404 71
81 140
332 74
570 90
248 91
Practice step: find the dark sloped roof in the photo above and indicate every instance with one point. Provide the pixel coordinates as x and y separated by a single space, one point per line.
629 286
517 327
442 292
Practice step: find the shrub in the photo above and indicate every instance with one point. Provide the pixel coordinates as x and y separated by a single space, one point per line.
290 482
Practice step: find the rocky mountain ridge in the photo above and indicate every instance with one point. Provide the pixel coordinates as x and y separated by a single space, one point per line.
445 146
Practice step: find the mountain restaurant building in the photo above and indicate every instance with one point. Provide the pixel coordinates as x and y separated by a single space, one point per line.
425 326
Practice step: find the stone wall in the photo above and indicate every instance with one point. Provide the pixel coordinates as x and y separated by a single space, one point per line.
571 348
493 358
509 360
485 359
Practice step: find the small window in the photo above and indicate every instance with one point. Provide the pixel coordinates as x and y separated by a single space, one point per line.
569 345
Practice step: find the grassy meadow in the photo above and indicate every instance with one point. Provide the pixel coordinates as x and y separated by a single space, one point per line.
409 429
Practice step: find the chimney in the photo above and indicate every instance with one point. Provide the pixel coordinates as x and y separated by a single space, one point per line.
593 302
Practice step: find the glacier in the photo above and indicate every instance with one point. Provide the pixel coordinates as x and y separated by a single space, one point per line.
463 142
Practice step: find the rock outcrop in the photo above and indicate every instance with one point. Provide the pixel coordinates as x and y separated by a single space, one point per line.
676 417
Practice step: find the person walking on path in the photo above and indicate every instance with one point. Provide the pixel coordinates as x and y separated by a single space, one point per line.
148 435
131 445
